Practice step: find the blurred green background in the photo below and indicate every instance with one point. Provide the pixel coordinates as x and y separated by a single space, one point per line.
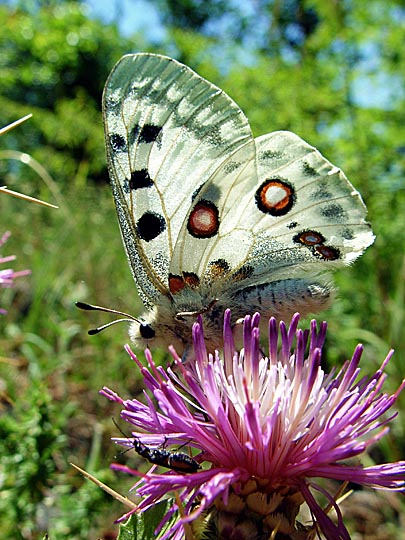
333 72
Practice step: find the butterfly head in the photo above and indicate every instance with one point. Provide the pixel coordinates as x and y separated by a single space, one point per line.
170 324
159 328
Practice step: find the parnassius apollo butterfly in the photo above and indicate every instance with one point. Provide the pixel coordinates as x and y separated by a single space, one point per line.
212 217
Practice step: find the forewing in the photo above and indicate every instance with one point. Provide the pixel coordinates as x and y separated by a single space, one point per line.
167 130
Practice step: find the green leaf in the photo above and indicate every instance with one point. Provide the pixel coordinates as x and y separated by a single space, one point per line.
143 526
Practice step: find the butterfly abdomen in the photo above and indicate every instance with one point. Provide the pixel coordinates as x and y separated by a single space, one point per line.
284 297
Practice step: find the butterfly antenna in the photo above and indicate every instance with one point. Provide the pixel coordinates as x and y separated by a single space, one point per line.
91 307
99 329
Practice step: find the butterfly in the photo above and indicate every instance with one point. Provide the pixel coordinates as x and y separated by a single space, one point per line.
213 218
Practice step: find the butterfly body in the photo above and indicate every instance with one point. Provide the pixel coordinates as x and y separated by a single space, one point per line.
172 319
213 218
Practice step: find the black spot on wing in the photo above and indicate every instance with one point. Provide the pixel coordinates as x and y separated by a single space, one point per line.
321 191
150 225
231 167
140 179
148 133
212 134
113 106
209 133
270 154
308 170
347 234
333 212
118 143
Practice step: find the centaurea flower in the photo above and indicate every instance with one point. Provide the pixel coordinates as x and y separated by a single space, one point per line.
262 428
7 275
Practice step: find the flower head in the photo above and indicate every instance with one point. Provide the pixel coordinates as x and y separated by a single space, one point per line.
262 428
8 275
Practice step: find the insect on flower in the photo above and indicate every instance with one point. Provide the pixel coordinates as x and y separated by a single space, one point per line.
176 461
269 426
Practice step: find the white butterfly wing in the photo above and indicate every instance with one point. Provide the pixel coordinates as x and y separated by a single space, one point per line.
299 191
166 130
284 215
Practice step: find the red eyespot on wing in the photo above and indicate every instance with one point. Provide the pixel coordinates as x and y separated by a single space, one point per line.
203 221
309 238
191 279
275 196
328 253
176 283
314 241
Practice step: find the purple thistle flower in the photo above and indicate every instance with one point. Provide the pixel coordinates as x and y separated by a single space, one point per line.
7 275
262 428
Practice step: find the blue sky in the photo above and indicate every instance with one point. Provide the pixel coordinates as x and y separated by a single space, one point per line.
140 16
372 86
131 16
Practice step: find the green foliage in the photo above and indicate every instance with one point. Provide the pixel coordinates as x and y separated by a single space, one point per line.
52 370
30 441
143 526
54 64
